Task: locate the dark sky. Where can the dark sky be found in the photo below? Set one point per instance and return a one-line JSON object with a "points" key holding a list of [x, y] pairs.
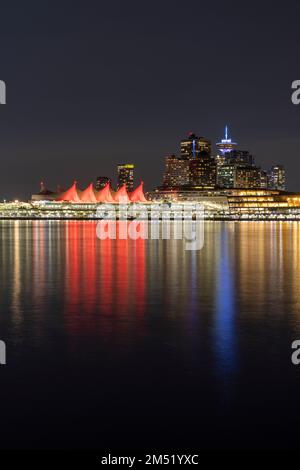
{"points": [[93, 83]]}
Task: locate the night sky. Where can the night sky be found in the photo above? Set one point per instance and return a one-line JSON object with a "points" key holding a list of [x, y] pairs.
{"points": [[91, 84]]}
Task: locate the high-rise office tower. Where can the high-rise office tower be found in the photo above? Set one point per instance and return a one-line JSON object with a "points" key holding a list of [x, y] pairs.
{"points": [[102, 181], [203, 171], [250, 177], [241, 157], [233, 175], [193, 145], [226, 174], [263, 179], [277, 178], [228, 164], [126, 175], [176, 172], [230, 161]]}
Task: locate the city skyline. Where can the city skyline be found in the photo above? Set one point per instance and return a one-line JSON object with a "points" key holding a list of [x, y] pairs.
{"points": [[192, 151], [125, 81], [150, 230]]}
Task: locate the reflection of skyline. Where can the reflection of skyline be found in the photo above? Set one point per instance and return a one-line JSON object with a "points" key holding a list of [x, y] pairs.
{"points": [[225, 332], [101, 280], [113, 287]]}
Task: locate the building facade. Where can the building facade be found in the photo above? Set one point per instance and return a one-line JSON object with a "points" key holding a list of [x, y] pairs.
{"points": [[193, 146], [102, 181], [241, 157], [234, 167], [277, 178], [126, 176], [203, 171], [176, 173], [250, 177], [232, 175], [226, 175]]}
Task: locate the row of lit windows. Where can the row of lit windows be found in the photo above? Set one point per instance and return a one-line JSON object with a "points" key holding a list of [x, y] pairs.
{"points": [[263, 204], [251, 199]]}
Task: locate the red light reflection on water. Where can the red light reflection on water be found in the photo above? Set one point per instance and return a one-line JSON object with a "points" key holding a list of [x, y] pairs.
{"points": [[103, 278]]}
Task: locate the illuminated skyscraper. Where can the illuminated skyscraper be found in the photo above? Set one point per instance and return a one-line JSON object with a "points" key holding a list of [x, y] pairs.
{"points": [[234, 175], [193, 145], [250, 177], [176, 172], [230, 165], [102, 181], [277, 178], [226, 145], [241, 157], [126, 175], [226, 174], [203, 170]]}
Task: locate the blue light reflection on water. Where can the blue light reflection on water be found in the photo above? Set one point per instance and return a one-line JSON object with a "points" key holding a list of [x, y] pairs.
{"points": [[148, 322]]}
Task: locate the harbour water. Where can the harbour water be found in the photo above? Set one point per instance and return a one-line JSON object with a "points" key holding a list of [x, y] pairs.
{"points": [[143, 344]]}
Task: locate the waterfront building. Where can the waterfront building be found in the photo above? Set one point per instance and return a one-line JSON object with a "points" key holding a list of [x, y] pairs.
{"points": [[122, 195], [193, 146], [177, 172], [73, 194], [138, 194], [233, 204], [44, 193], [90, 196], [126, 176], [102, 181], [236, 204], [106, 194]]}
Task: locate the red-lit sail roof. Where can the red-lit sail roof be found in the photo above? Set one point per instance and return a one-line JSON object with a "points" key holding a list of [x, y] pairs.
{"points": [[122, 195], [88, 194], [72, 194], [91, 196], [105, 195], [138, 194]]}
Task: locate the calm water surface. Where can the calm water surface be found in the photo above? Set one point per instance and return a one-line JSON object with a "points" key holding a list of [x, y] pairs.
{"points": [[122, 343]]}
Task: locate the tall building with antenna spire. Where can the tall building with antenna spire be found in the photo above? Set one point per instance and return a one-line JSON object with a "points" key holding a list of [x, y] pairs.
{"points": [[226, 145], [191, 147]]}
